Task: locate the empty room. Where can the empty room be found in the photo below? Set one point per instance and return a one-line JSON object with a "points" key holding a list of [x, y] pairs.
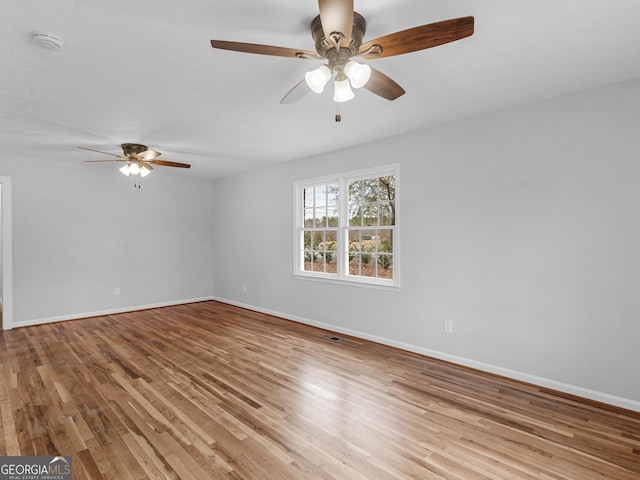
{"points": [[334, 239]]}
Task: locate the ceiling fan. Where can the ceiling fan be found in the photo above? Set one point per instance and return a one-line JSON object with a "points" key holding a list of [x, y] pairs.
{"points": [[338, 32], [139, 159]]}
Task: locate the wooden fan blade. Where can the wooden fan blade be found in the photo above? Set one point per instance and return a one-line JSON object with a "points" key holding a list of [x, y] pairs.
{"points": [[420, 38], [383, 86], [297, 92], [262, 49], [166, 163], [337, 16], [104, 153], [148, 154], [98, 161]]}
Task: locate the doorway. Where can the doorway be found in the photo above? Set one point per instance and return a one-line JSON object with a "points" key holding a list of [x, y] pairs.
{"points": [[6, 265]]}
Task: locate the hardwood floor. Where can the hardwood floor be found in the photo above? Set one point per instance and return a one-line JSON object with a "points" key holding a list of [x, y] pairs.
{"points": [[208, 390]]}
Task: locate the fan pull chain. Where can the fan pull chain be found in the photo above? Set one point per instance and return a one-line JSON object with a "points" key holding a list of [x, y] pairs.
{"points": [[338, 115]]}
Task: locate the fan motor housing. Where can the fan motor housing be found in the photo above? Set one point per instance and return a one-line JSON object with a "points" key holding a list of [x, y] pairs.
{"points": [[133, 149], [323, 46]]}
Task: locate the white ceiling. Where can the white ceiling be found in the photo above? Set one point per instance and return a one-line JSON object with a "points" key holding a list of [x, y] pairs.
{"points": [[144, 72]]}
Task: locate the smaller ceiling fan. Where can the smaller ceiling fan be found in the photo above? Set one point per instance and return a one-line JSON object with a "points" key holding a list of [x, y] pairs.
{"points": [[139, 159]]}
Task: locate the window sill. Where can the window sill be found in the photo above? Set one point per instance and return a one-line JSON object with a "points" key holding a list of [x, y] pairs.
{"points": [[351, 283]]}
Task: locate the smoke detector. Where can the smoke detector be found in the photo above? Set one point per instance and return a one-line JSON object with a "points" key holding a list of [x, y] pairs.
{"points": [[48, 41]]}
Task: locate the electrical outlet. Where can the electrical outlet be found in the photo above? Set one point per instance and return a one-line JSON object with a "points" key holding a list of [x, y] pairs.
{"points": [[448, 326], [116, 291], [244, 287]]}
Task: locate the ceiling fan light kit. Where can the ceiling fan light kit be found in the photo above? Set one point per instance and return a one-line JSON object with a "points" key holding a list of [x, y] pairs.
{"points": [[355, 75], [338, 33], [134, 168]]}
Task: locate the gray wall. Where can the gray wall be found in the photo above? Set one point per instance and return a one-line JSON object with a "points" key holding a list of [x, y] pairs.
{"points": [[519, 226], [1, 239], [80, 230]]}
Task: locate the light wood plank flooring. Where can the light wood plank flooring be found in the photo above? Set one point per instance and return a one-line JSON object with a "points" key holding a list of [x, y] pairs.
{"points": [[208, 390]]}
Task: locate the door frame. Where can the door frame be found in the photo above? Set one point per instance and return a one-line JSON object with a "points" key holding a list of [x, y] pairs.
{"points": [[7, 257]]}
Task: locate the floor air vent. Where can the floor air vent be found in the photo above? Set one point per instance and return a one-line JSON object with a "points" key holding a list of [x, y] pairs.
{"points": [[332, 338]]}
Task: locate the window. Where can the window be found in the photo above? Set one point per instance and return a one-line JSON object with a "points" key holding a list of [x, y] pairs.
{"points": [[346, 227]]}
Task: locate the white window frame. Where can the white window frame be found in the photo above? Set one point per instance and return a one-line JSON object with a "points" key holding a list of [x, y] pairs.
{"points": [[342, 248]]}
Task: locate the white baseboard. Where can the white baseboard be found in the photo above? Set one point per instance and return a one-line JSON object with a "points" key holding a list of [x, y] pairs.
{"points": [[601, 397], [113, 311]]}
